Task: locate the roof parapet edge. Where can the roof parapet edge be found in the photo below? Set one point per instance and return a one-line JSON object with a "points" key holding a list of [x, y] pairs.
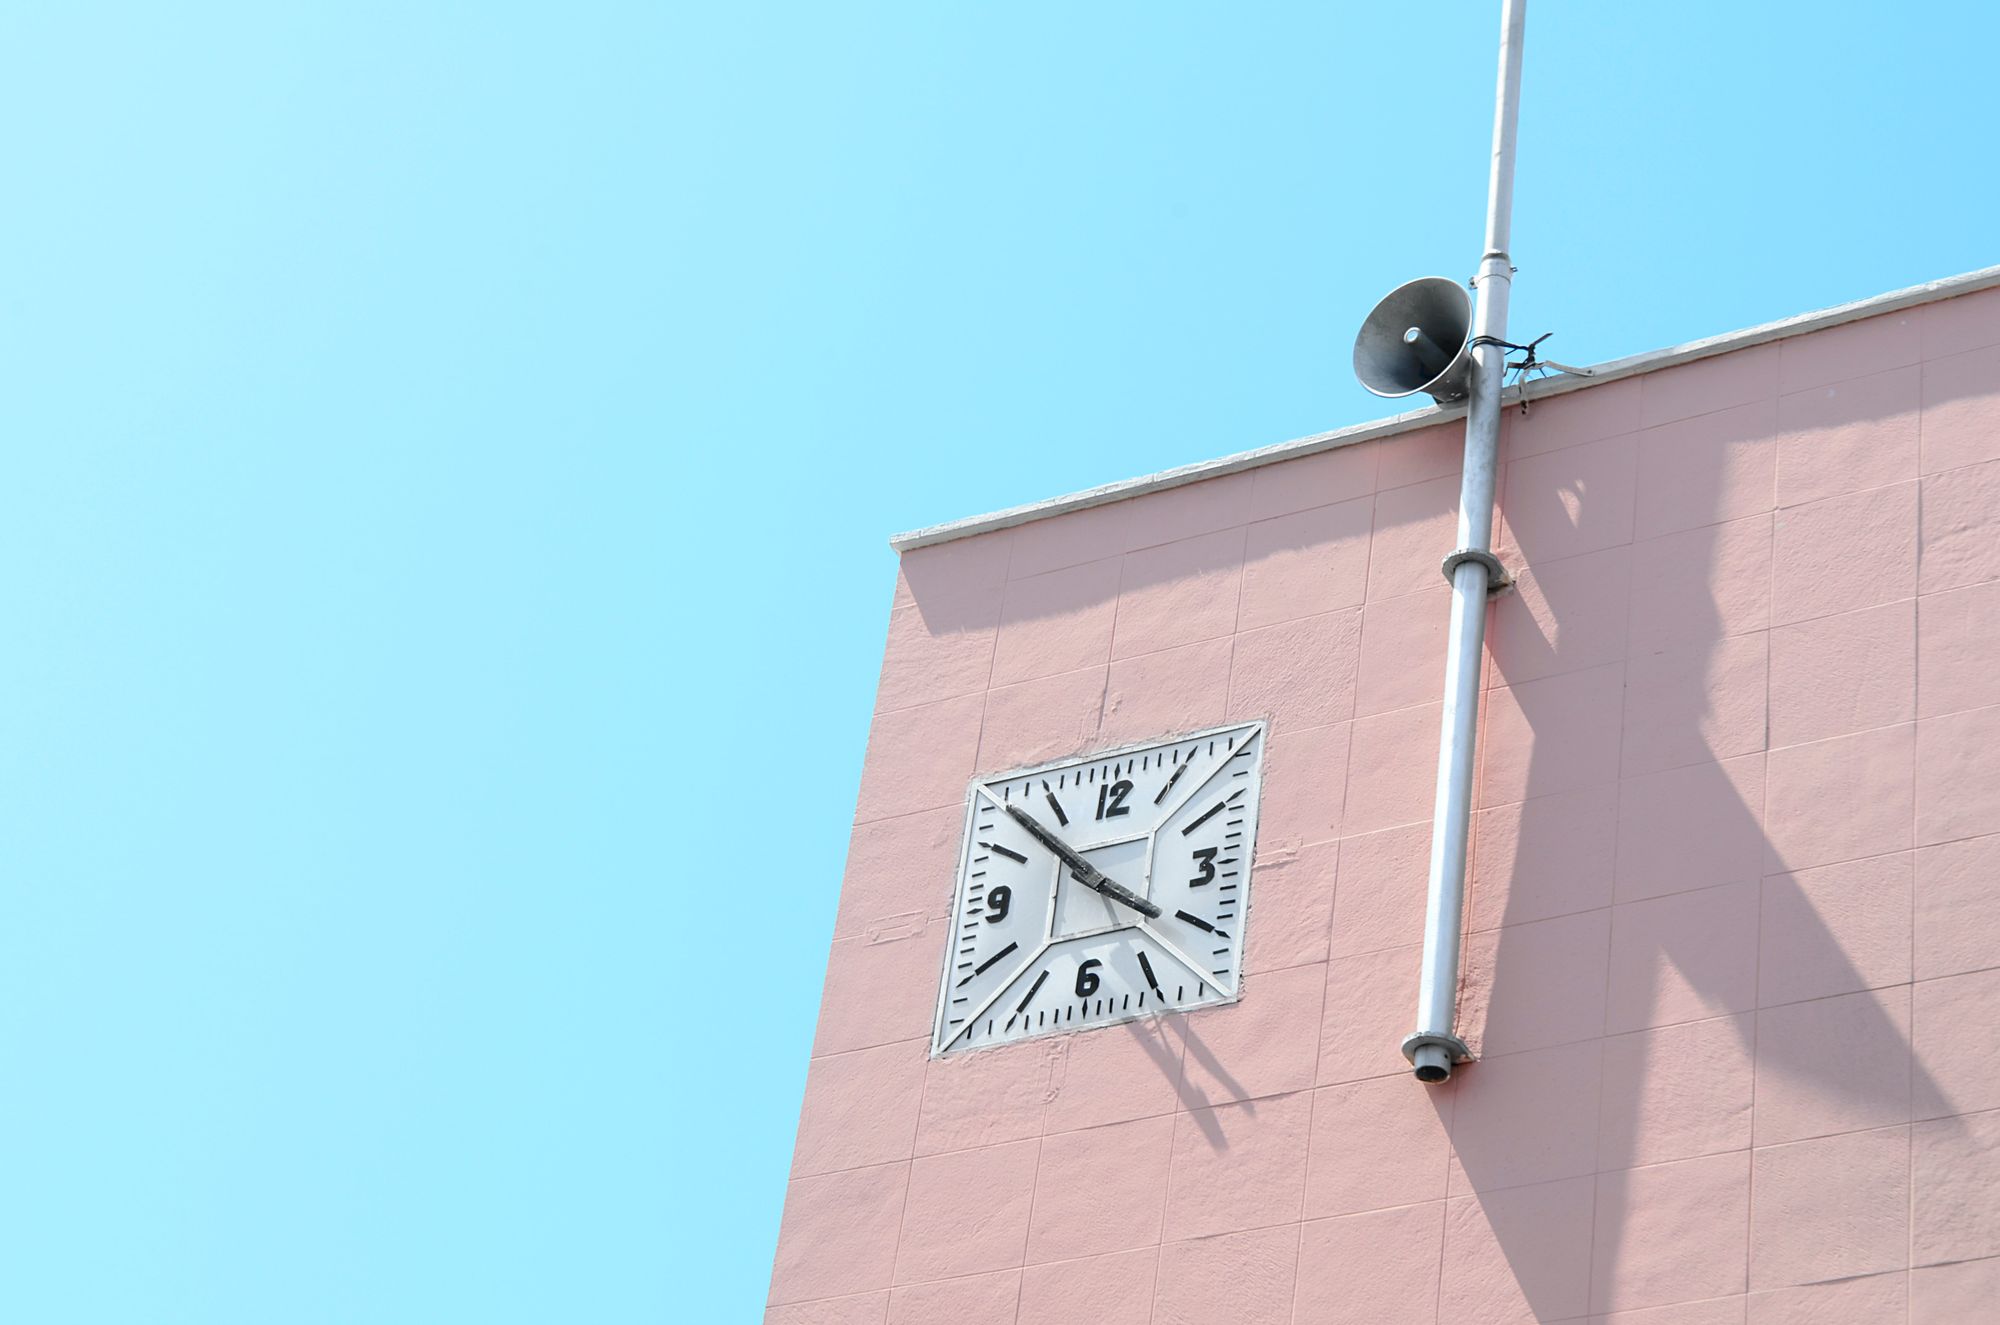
{"points": [[1649, 361]]}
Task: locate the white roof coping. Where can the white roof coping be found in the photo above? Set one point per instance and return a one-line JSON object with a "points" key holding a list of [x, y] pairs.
{"points": [[1650, 360]]}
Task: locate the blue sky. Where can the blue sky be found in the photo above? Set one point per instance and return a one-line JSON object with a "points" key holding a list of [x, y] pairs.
{"points": [[449, 452]]}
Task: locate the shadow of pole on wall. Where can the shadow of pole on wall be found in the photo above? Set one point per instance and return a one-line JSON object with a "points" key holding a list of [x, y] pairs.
{"points": [[1644, 960]]}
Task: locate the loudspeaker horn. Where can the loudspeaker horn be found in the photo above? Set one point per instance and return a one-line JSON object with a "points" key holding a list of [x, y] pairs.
{"points": [[1417, 340]]}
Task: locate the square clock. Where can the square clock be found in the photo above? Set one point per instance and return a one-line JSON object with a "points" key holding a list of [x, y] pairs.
{"points": [[1102, 888]]}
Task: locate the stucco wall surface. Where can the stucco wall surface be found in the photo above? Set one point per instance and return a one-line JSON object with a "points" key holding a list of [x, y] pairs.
{"points": [[1731, 967]]}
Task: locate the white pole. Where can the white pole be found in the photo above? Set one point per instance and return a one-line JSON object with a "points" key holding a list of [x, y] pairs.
{"points": [[1434, 1046]]}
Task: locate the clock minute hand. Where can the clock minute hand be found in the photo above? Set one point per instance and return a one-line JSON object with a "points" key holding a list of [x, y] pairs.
{"points": [[1084, 872]]}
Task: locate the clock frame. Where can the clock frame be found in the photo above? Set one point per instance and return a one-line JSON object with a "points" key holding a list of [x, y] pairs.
{"points": [[1060, 864]]}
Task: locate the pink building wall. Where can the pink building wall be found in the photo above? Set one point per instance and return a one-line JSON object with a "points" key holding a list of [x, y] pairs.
{"points": [[1731, 972]]}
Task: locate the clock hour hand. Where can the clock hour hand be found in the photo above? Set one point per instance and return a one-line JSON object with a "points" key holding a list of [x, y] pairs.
{"points": [[1082, 870]]}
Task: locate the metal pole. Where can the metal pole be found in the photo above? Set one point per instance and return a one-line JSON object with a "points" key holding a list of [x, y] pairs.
{"points": [[1434, 1047]]}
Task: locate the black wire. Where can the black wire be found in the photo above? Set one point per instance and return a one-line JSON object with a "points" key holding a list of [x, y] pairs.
{"points": [[1520, 367]]}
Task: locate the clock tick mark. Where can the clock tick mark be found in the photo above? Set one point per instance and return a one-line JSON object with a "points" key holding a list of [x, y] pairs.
{"points": [[1151, 979], [1205, 816], [986, 965]]}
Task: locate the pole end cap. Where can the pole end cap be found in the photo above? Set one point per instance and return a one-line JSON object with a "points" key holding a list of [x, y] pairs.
{"points": [[1433, 1055]]}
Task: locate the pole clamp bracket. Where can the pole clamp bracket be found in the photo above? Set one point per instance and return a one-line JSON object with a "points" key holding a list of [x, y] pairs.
{"points": [[1451, 1044], [1497, 579]]}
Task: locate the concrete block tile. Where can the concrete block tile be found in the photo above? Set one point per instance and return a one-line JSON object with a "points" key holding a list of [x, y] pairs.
{"points": [[1040, 720], [1402, 650], [1677, 1092], [1071, 539], [1708, 385], [1673, 1232], [1964, 322], [1704, 583], [897, 866], [870, 982], [1954, 1172], [1850, 350], [839, 1233], [1958, 637], [1844, 553], [1689, 828], [1558, 734], [1174, 690], [1868, 1300], [860, 1108], [1292, 908], [1385, 786], [1383, 879], [1300, 673], [1306, 563], [1955, 1027], [1175, 514], [1371, 1004], [1836, 675], [1847, 436], [919, 758], [1564, 616], [1104, 1290], [1589, 415], [1537, 859], [1706, 470], [1839, 799], [1960, 392], [1416, 457], [1244, 1278], [1569, 502], [980, 1299], [1713, 1311], [1518, 1255], [927, 660], [1267, 1044], [1961, 518], [1941, 1294], [1238, 1166], [1832, 1208], [1381, 1267], [1958, 776], [1100, 1190], [967, 1212], [1178, 593], [1115, 1074], [1957, 907], [1056, 622], [1683, 957], [1414, 528], [1835, 930], [860, 1309], [1695, 704], [1526, 1118], [1536, 984], [1338, 475], [1833, 1065], [1376, 1144], [959, 580], [988, 1098], [1304, 780]]}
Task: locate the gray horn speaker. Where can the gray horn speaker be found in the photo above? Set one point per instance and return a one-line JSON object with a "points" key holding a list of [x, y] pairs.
{"points": [[1415, 340]]}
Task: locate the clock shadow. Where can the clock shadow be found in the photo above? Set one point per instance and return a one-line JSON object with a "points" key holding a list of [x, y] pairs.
{"points": [[1192, 1103], [1634, 1004]]}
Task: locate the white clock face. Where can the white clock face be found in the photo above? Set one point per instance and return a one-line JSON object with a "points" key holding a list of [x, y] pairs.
{"points": [[1101, 889]]}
